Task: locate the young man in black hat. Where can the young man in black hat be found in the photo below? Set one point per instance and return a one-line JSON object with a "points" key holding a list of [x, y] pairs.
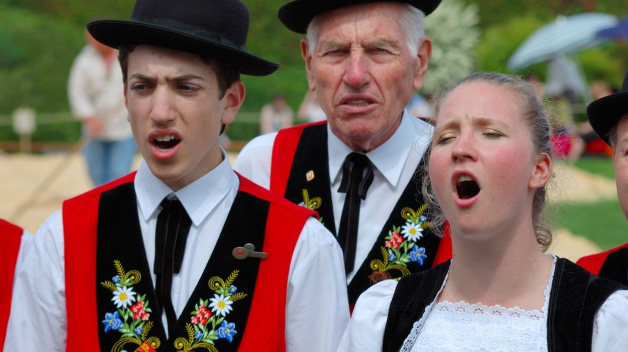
{"points": [[185, 254], [609, 118], [364, 59]]}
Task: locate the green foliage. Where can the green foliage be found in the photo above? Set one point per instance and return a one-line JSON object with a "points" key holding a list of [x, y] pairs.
{"points": [[597, 166], [500, 41], [604, 64], [49, 47]]}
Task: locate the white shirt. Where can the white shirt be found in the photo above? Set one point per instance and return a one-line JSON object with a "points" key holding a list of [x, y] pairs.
{"points": [[316, 309], [395, 162], [445, 329], [95, 89]]}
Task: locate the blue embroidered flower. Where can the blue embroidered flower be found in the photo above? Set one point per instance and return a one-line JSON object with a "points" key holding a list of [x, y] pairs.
{"points": [[112, 321], [302, 204], [139, 330], [198, 335], [226, 331], [422, 219], [232, 289], [391, 256], [116, 279], [417, 254]]}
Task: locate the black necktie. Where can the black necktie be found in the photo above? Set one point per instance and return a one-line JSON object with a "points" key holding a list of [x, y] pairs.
{"points": [[171, 233], [355, 186]]}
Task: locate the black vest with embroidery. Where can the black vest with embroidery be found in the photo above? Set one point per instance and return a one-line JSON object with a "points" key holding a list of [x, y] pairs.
{"points": [[216, 313], [574, 300], [405, 245]]}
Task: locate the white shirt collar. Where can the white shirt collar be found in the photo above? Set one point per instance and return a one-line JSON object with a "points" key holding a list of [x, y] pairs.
{"points": [[398, 144], [198, 198]]}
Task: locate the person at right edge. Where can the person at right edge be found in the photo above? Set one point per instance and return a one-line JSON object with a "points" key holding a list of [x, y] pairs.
{"points": [[609, 118], [364, 59]]}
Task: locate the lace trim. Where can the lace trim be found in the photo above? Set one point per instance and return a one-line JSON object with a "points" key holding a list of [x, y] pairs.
{"points": [[479, 308]]}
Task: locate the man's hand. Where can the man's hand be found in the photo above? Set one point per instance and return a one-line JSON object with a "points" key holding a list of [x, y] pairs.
{"points": [[94, 126]]}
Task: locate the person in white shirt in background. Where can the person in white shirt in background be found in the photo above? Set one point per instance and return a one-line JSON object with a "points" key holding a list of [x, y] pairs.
{"points": [[363, 60], [489, 165], [97, 101], [276, 115], [184, 254]]}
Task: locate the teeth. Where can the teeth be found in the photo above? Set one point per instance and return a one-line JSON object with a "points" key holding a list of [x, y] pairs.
{"points": [[464, 178], [360, 102], [164, 138]]}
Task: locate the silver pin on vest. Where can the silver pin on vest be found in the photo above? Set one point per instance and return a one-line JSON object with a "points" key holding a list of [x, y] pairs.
{"points": [[247, 251]]}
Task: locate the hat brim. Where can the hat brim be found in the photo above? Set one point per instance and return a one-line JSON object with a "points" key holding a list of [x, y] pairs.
{"points": [[115, 33], [604, 113], [297, 15]]}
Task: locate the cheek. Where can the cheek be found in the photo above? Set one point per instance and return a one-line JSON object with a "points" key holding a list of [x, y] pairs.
{"points": [[438, 172]]}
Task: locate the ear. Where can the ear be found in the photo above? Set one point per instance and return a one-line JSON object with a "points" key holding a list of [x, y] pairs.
{"points": [[307, 57], [234, 96], [541, 172], [424, 54]]}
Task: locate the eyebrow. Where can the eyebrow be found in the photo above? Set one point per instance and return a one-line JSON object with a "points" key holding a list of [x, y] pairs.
{"points": [[480, 121], [177, 79]]}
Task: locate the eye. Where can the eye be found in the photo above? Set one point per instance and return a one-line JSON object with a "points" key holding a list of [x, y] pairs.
{"points": [[188, 88], [139, 87], [443, 139], [493, 134]]}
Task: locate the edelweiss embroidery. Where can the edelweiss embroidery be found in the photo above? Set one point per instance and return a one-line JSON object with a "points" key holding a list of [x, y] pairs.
{"points": [[208, 322], [131, 318], [401, 246], [311, 204]]}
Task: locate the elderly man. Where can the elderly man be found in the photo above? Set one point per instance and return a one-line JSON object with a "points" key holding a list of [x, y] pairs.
{"points": [[363, 59], [183, 255], [609, 118]]}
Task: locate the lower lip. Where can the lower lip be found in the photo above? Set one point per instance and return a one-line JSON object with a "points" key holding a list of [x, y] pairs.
{"points": [[466, 203], [164, 154]]}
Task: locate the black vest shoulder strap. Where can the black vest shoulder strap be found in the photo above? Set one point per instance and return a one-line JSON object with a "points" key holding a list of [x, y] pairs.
{"points": [[615, 266], [575, 298], [412, 295]]}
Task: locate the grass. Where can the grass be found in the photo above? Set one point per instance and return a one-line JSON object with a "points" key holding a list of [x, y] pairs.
{"points": [[603, 222], [599, 166]]}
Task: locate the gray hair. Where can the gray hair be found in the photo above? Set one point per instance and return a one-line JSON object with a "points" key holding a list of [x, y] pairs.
{"points": [[534, 114], [612, 134], [411, 22]]}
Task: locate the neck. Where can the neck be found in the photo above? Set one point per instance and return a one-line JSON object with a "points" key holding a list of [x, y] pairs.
{"points": [[509, 270]]}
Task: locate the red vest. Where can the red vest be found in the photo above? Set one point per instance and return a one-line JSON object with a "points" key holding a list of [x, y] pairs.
{"points": [[264, 330], [10, 239]]}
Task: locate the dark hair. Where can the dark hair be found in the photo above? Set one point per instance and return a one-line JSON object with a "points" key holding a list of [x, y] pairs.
{"points": [[225, 74], [612, 134], [534, 114]]}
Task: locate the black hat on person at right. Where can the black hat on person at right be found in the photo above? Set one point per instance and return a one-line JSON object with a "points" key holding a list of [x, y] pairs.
{"points": [[298, 14], [605, 112], [211, 28]]}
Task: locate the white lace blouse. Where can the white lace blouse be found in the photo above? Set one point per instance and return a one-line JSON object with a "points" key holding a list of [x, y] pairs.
{"points": [[461, 326]]}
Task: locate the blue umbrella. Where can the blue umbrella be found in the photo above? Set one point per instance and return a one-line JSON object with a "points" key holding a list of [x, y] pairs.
{"points": [[564, 35], [618, 31]]}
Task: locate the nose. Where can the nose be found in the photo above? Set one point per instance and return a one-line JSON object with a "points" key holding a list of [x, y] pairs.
{"points": [[464, 149], [162, 109], [357, 73]]}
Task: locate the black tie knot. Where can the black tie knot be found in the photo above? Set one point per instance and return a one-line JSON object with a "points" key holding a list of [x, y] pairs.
{"points": [[357, 174]]}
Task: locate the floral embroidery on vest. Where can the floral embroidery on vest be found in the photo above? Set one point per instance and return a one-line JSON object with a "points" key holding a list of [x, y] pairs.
{"points": [[208, 322], [401, 246], [311, 203], [131, 318]]}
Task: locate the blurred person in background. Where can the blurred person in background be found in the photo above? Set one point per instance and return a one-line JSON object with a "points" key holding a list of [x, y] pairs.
{"points": [[98, 102], [276, 115], [310, 110]]}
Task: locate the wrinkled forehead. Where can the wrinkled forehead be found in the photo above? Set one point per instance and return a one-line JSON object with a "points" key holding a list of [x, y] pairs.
{"points": [[358, 18]]}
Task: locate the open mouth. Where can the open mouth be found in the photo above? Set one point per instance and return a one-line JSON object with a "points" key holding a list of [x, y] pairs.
{"points": [[358, 102], [466, 187], [165, 143]]}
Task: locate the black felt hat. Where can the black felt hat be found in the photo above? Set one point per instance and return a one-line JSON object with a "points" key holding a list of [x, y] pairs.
{"points": [[605, 112], [296, 15], [212, 28]]}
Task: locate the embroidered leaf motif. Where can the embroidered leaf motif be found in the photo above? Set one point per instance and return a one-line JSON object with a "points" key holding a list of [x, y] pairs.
{"points": [[232, 277], [109, 285], [238, 296], [385, 256], [147, 328], [119, 268], [188, 328]]}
